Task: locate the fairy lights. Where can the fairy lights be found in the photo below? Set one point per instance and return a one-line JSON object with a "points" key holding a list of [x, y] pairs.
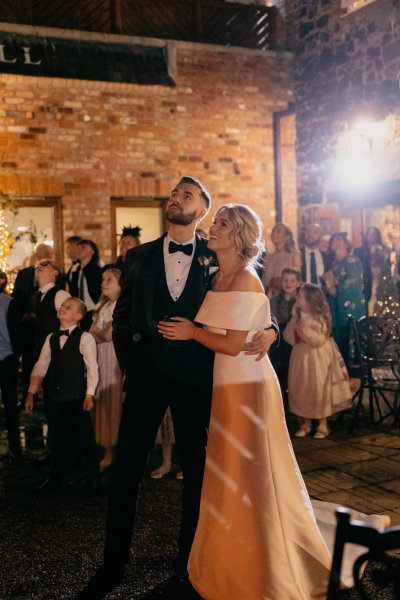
{"points": [[4, 242]]}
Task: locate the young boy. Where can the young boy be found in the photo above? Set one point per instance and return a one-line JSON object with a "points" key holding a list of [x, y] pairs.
{"points": [[68, 357], [281, 307]]}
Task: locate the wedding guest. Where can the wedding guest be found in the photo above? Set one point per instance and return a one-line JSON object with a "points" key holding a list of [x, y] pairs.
{"points": [[372, 244], [10, 349], [166, 439], [87, 280], [72, 250], [46, 302], [107, 410], [45, 306], [130, 238], [318, 381], [25, 287], [68, 358], [168, 276], [281, 306], [285, 255], [345, 290], [314, 262]]}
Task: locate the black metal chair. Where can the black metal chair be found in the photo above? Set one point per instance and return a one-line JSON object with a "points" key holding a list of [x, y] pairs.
{"points": [[377, 353], [385, 570]]}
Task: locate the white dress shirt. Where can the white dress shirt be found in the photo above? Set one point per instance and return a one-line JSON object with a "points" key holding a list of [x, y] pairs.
{"points": [[87, 299], [59, 298], [87, 348], [319, 262], [177, 266]]}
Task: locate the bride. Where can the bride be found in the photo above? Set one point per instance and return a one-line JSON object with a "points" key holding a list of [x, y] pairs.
{"points": [[257, 536]]}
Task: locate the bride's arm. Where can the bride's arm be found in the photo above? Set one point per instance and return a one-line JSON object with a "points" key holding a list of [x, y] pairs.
{"points": [[183, 329]]}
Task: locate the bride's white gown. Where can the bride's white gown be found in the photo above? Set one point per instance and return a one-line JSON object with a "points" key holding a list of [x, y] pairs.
{"points": [[257, 537]]}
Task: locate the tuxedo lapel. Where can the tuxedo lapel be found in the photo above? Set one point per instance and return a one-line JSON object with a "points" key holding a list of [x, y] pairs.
{"points": [[201, 252], [149, 275]]}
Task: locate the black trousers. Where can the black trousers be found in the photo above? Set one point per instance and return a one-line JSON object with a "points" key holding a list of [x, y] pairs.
{"points": [[70, 423], [142, 414], [8, 388]]}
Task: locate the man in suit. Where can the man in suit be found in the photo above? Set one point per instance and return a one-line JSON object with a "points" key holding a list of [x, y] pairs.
{"points": [[164, 278], [86, 279], [25, 288], [72, 250], [314, 263]]}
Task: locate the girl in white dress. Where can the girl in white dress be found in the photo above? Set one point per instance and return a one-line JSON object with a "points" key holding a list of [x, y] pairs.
{"points": [[108, 405], [318, 382], [257, 537]]}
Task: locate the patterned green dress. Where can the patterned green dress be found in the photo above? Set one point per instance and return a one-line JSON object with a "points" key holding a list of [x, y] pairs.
{"points": [[349, 300]]}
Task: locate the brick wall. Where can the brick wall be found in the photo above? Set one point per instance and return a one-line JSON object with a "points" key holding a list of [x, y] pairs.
{"points": [[88, 141]]}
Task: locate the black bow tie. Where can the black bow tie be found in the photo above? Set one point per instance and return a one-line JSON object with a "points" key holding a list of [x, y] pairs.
{"points": [[186, 249], [63, 332]]}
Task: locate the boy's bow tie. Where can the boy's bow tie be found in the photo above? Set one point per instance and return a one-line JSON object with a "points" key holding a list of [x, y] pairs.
{"points": [[185, 248], [63, 332]]}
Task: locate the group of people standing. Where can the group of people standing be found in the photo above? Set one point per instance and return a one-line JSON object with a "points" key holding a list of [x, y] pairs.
{"points": [[195, 339]]}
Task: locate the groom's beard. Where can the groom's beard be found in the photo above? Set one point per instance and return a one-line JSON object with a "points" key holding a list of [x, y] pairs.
{"points": [[177, 218]]}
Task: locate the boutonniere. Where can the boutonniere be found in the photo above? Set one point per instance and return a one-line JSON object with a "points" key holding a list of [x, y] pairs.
{"points": [[209, 264]]}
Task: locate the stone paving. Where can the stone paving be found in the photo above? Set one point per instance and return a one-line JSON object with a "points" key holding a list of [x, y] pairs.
{"points": [[359, 470], [51, 545]]}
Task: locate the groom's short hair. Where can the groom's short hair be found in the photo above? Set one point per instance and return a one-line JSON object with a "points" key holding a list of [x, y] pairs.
{"points": [[203, 192]]}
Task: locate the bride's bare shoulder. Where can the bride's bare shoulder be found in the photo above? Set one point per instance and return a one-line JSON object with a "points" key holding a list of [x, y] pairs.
{"points": [[246, 280]]}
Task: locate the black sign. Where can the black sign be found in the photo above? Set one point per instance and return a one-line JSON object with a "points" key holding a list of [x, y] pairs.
{"points": [[76, 59]]}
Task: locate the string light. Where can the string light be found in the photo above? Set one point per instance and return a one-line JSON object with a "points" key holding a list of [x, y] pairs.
{"points": [[4, 242]]}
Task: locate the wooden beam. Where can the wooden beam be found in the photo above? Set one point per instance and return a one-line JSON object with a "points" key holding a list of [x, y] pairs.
{"points": [[116, 16]]}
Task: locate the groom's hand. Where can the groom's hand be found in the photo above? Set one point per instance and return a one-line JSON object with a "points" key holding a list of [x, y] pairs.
{"points": [[261, 343]]}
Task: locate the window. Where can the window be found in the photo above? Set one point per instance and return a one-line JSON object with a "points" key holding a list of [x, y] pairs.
{"points": [[34, 221], [136, 212]]}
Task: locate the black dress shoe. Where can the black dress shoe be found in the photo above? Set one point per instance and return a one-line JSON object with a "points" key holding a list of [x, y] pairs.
{"points": [[103, 581], [50, 485]]}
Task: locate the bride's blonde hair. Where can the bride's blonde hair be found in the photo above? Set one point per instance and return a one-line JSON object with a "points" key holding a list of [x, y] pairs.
{"points": [[247, 230]]}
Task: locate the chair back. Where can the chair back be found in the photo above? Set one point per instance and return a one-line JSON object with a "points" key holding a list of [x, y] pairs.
{"points": [[377, 343], [385, 573]]}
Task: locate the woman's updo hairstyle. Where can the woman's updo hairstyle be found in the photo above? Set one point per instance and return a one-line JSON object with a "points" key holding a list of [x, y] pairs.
{"points": [[247, 231]]}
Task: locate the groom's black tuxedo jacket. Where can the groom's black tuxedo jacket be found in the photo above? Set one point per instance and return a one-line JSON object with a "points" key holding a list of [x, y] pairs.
{"points": [[144, 300]]}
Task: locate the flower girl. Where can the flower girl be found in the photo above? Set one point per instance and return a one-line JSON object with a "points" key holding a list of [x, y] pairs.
{"points": [[318, 383], [108, 405]]}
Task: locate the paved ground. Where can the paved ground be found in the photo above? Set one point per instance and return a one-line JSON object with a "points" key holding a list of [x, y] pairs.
{"points": [[50, 545]]}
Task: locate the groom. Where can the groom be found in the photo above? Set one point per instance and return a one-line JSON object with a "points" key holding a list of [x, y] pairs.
{"points": [[164, 278]]}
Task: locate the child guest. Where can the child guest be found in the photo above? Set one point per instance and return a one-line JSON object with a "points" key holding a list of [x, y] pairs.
{"points": [[318, 382], [68, 357], [281, 306], [108, 407]]}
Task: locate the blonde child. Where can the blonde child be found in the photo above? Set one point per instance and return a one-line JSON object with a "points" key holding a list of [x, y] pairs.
{"points": [[108, 404], [318, 383], [68, 361]]}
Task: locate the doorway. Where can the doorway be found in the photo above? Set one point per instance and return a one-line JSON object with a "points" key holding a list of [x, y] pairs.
{"points": [[148, 214]]}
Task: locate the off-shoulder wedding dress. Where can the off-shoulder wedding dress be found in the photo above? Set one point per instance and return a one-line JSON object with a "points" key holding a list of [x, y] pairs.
{"points": [[259, 537]]}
